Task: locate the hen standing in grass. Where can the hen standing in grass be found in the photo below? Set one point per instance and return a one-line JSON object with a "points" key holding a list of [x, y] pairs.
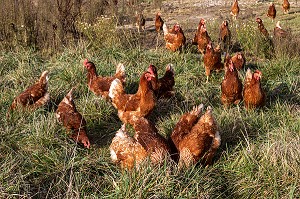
{"points": [[72, 120], [147, 142], [100, 85], [272, 11], [158, 22], [175, 40], [140, 21], [201, 23], [235, 9], [139, 104], [35, 96], [196, 139], [231, 87], [239, 60], [212, 60], [203, 39], [224, 36], [261, 27], [253, 94], [286, 6]]}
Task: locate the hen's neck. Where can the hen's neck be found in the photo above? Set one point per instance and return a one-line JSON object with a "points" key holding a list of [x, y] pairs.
{"points": [[144, 86], [92, 74]]}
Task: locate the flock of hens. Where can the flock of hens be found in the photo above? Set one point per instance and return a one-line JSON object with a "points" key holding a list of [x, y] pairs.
{"points": [[195, 137]]}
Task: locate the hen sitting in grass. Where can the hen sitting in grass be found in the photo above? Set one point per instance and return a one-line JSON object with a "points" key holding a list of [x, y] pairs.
{"points": [[100, 85], [130, 152], [72, 120], [231, 87], [35, 96], [253, 94], [196, 139]]}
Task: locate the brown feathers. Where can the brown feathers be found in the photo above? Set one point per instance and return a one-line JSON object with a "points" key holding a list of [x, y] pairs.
{"points": [[35, 96], [254, 96], [196, 139], [72, 120], [139, 104], [100, 85]]}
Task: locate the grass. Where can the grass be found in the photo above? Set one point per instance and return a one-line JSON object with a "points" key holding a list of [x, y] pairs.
{"points": [[259, 156]]}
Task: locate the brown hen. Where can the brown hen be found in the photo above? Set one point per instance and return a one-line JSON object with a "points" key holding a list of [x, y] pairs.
{"points": [[147, 142], [100, 85], [139, 104], [175, 40], [203, 39], [253, 94], [272, 11], [165, 85], [239, 60], [235, 9], [212, 60], [201, 23], [33, 97], [286, 6], [261, 27], [279, 32], [158, 22], [72, 120], [140, 21], [224, 36], [231, 87], [196, 139]]}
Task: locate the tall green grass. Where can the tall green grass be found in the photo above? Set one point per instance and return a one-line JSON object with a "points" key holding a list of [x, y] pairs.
{"points": [[258, 158]]}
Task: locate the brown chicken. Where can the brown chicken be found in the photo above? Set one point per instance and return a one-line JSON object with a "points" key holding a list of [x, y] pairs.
{"points": [[231, 87], [279, 32], [253, 94], [286, 6], [158, 22], [239, 60], [203, 39], [261, 27], [196, 139], [224, 36], [147, 142], [165, 84], [201, 23], [272, 11], [72, 120], [235, 9], [212, 60], [100, 85], [175, 40], [139, 104], [33, 97], [140, 21], [126, 151]]}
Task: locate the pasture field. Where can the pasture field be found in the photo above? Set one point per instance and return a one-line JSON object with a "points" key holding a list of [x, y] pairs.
{"points": [[259, 156]]}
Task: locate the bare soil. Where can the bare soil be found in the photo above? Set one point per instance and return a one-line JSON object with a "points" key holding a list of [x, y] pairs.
{"points": [[188, 13]]}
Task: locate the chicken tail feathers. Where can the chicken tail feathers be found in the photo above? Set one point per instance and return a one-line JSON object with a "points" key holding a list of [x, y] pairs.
{"points": [[120, 72], [170, 68], [165, 29], [42, 101], [115, 89]]}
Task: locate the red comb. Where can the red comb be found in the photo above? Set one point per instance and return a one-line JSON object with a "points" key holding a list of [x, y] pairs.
{"points": [[85, 62]]}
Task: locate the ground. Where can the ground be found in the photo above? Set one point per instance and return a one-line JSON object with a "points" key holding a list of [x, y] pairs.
{"points": [[188, 13]]}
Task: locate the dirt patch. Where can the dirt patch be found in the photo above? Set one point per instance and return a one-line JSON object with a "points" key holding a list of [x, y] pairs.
{"points": [[188, 13]]}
